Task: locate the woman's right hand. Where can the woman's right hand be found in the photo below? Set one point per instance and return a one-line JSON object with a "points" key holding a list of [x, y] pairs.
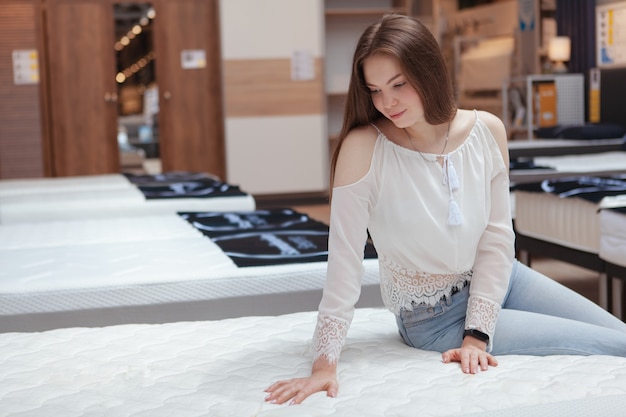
{"points": [[323, 378]]}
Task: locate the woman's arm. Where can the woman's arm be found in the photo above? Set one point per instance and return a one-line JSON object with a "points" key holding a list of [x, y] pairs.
{"points": [[496, 248], [346, 244], [494, 260]]}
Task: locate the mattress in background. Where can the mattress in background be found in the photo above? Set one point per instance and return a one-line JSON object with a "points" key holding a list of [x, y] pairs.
{"points": [[569, 222]]}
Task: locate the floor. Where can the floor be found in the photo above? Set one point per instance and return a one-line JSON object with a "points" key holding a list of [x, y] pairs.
{"points": [[581, 280]]}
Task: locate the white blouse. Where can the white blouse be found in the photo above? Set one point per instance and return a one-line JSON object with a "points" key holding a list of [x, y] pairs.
{"points": [[425, 249]]}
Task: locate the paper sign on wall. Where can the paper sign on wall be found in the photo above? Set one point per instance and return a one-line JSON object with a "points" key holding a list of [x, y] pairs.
{"points": [[302, 65], [25, 67], [611, 34], [193, 58]]}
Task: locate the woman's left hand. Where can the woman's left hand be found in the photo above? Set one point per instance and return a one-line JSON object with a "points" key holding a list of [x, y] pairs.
{"points": [[472, 355]]}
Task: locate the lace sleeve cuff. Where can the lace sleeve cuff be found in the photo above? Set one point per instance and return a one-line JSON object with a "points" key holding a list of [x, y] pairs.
{"points": [[482, 315], [329, 337]]}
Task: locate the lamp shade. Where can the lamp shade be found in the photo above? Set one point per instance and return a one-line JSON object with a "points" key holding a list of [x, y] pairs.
{"points": [[559, 48]]}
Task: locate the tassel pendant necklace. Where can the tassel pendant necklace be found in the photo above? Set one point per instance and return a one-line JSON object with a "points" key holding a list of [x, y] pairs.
{"points": [[445, 143], [450, 178]]}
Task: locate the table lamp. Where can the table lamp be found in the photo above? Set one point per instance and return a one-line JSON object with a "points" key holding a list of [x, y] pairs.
{"points": [[559, 51]]}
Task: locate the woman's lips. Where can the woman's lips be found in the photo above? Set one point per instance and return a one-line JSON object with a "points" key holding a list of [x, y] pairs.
{"points": [[396, 115]]}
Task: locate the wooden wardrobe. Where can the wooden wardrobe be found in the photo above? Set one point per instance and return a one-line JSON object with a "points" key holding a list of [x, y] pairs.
{"points": [[66, 124]]}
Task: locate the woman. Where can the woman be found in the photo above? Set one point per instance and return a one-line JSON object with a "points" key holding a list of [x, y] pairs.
{"points": [[430, 184]]}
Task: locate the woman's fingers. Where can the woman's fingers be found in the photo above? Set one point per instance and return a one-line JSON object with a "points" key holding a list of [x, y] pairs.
{"points": [[297, 390], [472, 360]]}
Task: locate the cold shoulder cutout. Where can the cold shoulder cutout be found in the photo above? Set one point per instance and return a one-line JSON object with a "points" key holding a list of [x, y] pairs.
{"points": [[355, 155]]}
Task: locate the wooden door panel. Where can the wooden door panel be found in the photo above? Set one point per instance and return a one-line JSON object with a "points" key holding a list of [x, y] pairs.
{"points": [[191, 123], [83, 108], [20, 118]]}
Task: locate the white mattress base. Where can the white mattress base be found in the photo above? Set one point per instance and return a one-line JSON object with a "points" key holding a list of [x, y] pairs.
{"points": [[62, 184], [568, 222], [613, 240], [221, 368]]}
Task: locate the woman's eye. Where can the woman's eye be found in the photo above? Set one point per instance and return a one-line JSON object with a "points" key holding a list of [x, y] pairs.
{"points": [[400, 84], [374, 92]]}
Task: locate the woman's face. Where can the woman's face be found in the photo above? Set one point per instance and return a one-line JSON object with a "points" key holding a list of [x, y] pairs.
{"points": [[391, 93]]}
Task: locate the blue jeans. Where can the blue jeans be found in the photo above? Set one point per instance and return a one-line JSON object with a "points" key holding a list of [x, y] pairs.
{"points": [[539, 317]]}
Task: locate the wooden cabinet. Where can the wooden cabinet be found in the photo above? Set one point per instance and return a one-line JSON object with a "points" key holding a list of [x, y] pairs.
{"points": [[191, 119], [81, 88], [21, 143], [77, 99]]}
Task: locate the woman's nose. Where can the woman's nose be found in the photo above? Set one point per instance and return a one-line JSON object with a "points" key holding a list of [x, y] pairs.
{"points": [[389, 100]]}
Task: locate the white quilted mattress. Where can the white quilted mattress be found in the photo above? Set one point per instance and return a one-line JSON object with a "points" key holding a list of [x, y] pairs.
{"points": [[220, 369], [613, 236], [569, 222], [586, 163], [97, 196], [142, 269]]}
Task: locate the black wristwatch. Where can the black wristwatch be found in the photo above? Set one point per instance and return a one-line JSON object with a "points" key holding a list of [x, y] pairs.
{"points": [[483, 337]]}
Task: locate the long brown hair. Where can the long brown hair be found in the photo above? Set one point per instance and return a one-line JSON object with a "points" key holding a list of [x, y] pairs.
{"points": [[422, 62]]}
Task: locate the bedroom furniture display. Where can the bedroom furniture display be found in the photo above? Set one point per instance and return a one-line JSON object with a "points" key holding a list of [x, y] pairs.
{"points": [[113, 195], [159, 268], [570, 101], [221, 368]]}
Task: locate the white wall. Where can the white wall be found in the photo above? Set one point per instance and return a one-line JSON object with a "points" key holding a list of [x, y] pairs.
{"points": [[275, 153]]}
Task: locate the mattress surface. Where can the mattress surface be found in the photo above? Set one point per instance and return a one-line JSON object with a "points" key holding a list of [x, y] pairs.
{"points": [[220, 369], [599, 162], [98, 196], [569, 222]]}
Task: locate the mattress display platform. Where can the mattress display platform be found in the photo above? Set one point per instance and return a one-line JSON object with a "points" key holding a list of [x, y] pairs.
{"points": [[571, 222], [558, 218], [613, 230], [613, 250], [149, 269], [221, 368], [114, 195]]}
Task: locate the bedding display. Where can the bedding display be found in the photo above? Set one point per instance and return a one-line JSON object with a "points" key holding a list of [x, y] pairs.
{"points": [[221, 368], [267, 237], [158, 268], [559, 218], [539, 168], [105, 196]]}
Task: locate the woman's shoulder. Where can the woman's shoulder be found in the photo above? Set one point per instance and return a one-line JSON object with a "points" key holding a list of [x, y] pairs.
{"points": [[496, 128], [493, 123], [355, 155]]}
